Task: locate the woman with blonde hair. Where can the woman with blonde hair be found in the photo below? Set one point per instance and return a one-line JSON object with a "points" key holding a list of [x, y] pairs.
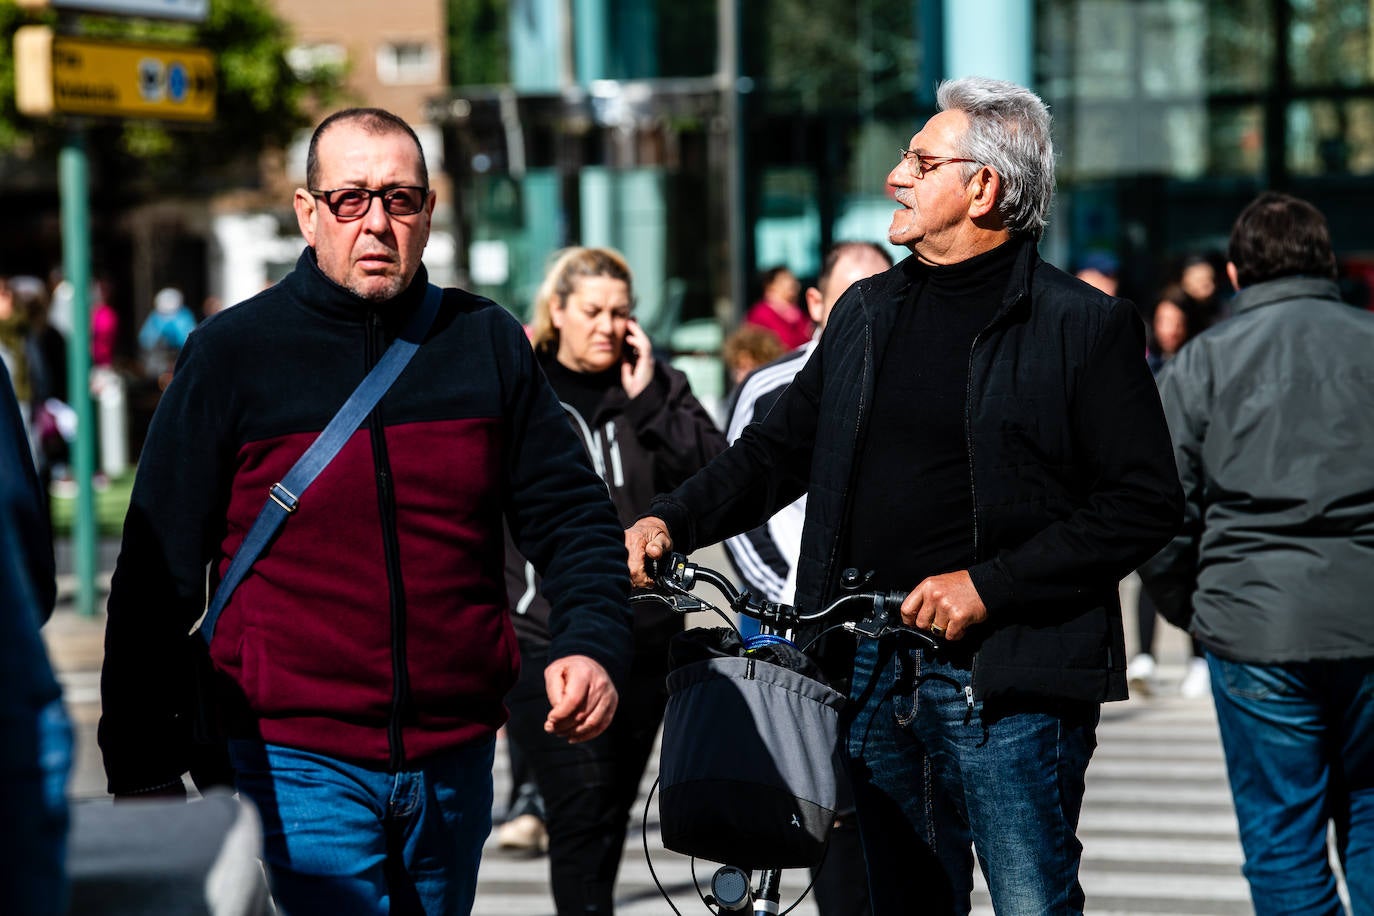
{"points": [[645, 433]]}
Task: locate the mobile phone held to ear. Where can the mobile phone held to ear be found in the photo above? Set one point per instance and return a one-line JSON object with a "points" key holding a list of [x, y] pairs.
{"points": [[628, 353]]}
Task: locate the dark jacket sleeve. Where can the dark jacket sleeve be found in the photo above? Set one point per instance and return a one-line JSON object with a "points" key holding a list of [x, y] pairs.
{"points": [[175, 519], [1170, 576], [27, 585], [35, 585], [671, 423], [766, 468], [1133, 501], [561, 518]]}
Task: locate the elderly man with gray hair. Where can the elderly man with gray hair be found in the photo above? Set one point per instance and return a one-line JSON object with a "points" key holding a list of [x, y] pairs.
{"points": [[979, 425]]}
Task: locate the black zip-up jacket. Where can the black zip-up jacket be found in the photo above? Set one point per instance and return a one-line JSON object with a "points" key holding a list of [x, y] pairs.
{"points": [[640, 446], [374, 628], [1070, 469]]}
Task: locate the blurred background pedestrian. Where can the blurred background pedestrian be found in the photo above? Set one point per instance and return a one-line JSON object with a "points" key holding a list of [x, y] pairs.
{"points": [[645, 432], [778, 309], [1100, 270], [1170, 328], [164, 333], [747, 348]]}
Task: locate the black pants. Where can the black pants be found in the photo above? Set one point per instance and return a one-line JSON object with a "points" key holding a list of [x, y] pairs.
{"points": [[841, 884], [590, 788], [1146, 617]]}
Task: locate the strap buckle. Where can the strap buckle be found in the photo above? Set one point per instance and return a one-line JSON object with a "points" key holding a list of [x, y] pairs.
{"points": [[283, 497]]}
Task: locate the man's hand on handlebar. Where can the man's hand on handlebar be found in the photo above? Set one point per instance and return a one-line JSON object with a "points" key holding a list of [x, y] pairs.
{"points": [[648, 537], [946, 605]]}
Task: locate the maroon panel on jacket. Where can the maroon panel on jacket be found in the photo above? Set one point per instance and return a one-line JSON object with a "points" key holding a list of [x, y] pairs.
{"points": [[308, 634]]}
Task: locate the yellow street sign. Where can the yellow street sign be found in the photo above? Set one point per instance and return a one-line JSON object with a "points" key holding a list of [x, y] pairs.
{"points": [[59, 74]]}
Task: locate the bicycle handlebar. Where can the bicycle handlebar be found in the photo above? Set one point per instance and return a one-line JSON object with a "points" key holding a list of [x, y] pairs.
{"points": [[676, 577]]}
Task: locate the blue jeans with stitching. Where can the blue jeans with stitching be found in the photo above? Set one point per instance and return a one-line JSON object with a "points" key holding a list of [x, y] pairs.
{"points": [[1299, 741], [340, 838], [937, 774]]}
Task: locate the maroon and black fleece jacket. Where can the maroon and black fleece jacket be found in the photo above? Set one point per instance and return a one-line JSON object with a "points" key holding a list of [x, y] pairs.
{"points": [[375, 627]]}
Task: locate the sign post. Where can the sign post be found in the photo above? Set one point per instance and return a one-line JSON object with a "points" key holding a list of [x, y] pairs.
{"points": [[82, 78], [76, 268]]}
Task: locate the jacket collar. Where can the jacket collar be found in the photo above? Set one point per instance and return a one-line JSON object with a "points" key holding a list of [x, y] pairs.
{"points": [[321, 295], [1284, 289], [893, 285]]}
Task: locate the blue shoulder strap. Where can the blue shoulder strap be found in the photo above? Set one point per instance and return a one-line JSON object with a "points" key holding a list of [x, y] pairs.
{"points": [[284, 497]]}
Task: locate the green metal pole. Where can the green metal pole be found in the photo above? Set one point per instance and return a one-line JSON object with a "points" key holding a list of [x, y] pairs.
{"points": [[73, 180]]}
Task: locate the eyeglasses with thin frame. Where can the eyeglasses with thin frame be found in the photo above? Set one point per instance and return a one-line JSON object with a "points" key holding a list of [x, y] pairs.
{"points": [[926, 163], [353, 203]]}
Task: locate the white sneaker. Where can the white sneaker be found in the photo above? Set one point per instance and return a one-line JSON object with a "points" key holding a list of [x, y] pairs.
{"points": [[1140, 671], [525, 832], [1197, 682]]}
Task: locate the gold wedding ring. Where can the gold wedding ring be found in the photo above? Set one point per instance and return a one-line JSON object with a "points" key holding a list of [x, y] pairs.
{"points": [[937, 630]]}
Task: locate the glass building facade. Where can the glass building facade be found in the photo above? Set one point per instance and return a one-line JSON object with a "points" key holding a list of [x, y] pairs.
{"points": [[710, 139], [1171, 115]]}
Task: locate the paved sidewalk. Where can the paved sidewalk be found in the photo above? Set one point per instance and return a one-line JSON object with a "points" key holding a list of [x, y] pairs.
{"points": [[76, 646]]}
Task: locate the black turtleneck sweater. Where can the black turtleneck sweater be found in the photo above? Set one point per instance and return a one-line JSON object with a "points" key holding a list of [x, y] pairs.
{"points": [[912, 509]]}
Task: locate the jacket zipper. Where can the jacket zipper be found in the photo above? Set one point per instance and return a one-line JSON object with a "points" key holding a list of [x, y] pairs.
{"points": [[386, 505], [859, 411], [972, 480]]}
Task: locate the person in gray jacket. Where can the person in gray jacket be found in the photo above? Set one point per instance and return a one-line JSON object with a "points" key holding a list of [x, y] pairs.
{"points": [[1272, 416]]}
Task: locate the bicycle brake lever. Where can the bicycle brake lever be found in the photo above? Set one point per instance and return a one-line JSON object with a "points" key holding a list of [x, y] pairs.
{"points": [[875, 629], [930, 640], [679, 604], [880, 624], [870, 628]]}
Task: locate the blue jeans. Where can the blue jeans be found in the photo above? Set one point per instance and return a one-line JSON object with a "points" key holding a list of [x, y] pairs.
{"points": [[340, 838], [35, 760], [1299, 742], [936, 773]]}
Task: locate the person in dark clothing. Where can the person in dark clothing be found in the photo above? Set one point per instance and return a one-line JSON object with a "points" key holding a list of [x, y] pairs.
{"points": [[1272, 415], [362, 664], [35, 736], [1170, 328], [766, 557], [978, 424], [1201, 296], [645, 432]]}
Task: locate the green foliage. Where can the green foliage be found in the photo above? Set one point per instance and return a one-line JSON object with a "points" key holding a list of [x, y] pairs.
{"points": [[261, 101], [14, 133], [478, 52]]}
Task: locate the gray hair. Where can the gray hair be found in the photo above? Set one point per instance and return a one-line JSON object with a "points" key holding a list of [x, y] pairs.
{"points": [[1008, 131]]}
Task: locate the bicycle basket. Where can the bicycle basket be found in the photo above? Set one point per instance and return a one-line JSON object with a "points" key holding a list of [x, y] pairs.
{"points": [[748, 761]]}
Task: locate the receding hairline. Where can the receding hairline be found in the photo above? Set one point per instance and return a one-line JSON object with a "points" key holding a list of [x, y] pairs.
{"points": [[849, 248], [376, 122]]}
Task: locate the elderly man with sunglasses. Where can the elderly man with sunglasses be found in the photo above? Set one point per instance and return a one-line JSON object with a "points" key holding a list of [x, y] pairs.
{"points": [[359, 668], [979, 429]]}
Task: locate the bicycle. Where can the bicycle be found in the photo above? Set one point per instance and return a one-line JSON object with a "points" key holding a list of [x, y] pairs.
{"points": [[732, 889]]}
